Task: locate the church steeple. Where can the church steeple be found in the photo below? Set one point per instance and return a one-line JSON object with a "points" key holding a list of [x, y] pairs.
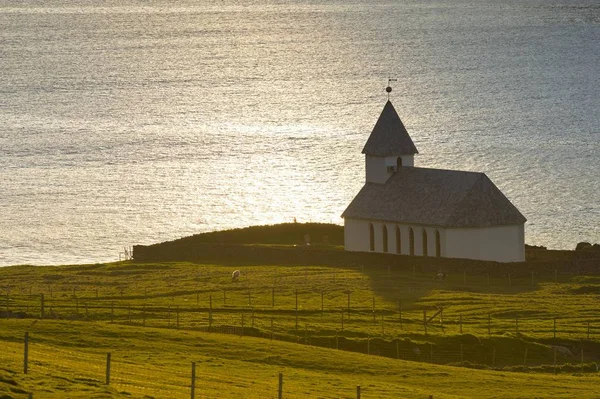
{"points": [[389, 146]]}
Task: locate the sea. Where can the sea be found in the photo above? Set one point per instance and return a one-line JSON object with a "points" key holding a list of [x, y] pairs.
{"points": [[127, 122]]}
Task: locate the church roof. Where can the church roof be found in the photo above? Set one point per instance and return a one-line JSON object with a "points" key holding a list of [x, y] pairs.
{"points": [[436, 197], [389, 136]]}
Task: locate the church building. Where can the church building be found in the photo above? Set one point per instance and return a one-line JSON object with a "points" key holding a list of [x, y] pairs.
{"points": [[403, 209]]}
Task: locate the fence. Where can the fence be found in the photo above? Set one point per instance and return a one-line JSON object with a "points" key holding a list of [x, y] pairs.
{"points": [[94, 368], [179, 379]]}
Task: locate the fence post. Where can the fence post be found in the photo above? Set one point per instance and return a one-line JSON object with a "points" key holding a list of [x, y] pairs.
{"points": [[42, 307], [210, 318], [193, 382], [108, 368], [26, 353], [374, 321], [532, 278], [348, 303], [400, 312], [358, 392], [555, 351], [588, 330], [280, 391], [242, 324]]}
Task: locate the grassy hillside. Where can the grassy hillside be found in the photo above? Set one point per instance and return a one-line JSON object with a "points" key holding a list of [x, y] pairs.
{"points": [[68, 360]]}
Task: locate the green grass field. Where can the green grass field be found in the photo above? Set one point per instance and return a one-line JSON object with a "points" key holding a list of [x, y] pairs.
{"points": [[154, 319]]}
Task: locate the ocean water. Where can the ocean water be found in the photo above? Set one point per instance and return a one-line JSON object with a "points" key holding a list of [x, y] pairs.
{"points": [[134, 122]]}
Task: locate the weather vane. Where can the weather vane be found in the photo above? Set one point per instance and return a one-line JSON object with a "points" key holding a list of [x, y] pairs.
{"points": [[388, 89]]}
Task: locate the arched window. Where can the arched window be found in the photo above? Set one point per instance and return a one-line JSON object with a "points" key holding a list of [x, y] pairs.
{"points": [[425, 253], [398, 240], [371, 237], [398, 163], [438, 244], [411, 238], [385, 238]]}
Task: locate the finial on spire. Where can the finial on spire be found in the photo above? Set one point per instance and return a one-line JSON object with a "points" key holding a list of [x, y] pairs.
{"points": [[388, 89]]}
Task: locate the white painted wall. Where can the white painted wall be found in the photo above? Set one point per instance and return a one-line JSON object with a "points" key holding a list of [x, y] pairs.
{"points": [[357, 237], [377, 167], [500, 243]]}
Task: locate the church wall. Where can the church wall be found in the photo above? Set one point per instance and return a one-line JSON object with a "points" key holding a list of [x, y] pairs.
{"points": [[376, 169], [356, 235], [500, 244]]}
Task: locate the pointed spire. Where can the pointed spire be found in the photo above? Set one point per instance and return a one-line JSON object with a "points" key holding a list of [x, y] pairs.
{"points": [[389, 136]]}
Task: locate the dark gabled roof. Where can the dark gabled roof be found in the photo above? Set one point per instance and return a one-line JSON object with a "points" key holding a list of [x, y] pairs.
{"points": [[435, 197], [389, 136]]}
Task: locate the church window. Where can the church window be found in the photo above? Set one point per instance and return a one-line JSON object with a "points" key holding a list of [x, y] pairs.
{"points": [[371, 237], [398, 240], [438, 245], [425, 252], [411, 238], [385, 238], [399, 162]]}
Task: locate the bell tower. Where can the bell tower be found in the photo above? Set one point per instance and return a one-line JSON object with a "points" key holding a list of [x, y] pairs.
{"points": [[389, 146]]}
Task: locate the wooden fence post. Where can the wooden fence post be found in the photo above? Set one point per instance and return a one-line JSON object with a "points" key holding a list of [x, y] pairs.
{"points": [[193, 382], [210, 318], [280, 391], [358, 392], [242, 334], [374, 321], [588, 330], [26, 353], [322, 302], [108, 368]]}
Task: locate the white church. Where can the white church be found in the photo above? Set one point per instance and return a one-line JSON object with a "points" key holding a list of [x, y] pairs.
{"points": [[403, 209]]}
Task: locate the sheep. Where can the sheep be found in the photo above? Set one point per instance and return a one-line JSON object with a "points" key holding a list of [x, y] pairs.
{"points": [[235, 276]]}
